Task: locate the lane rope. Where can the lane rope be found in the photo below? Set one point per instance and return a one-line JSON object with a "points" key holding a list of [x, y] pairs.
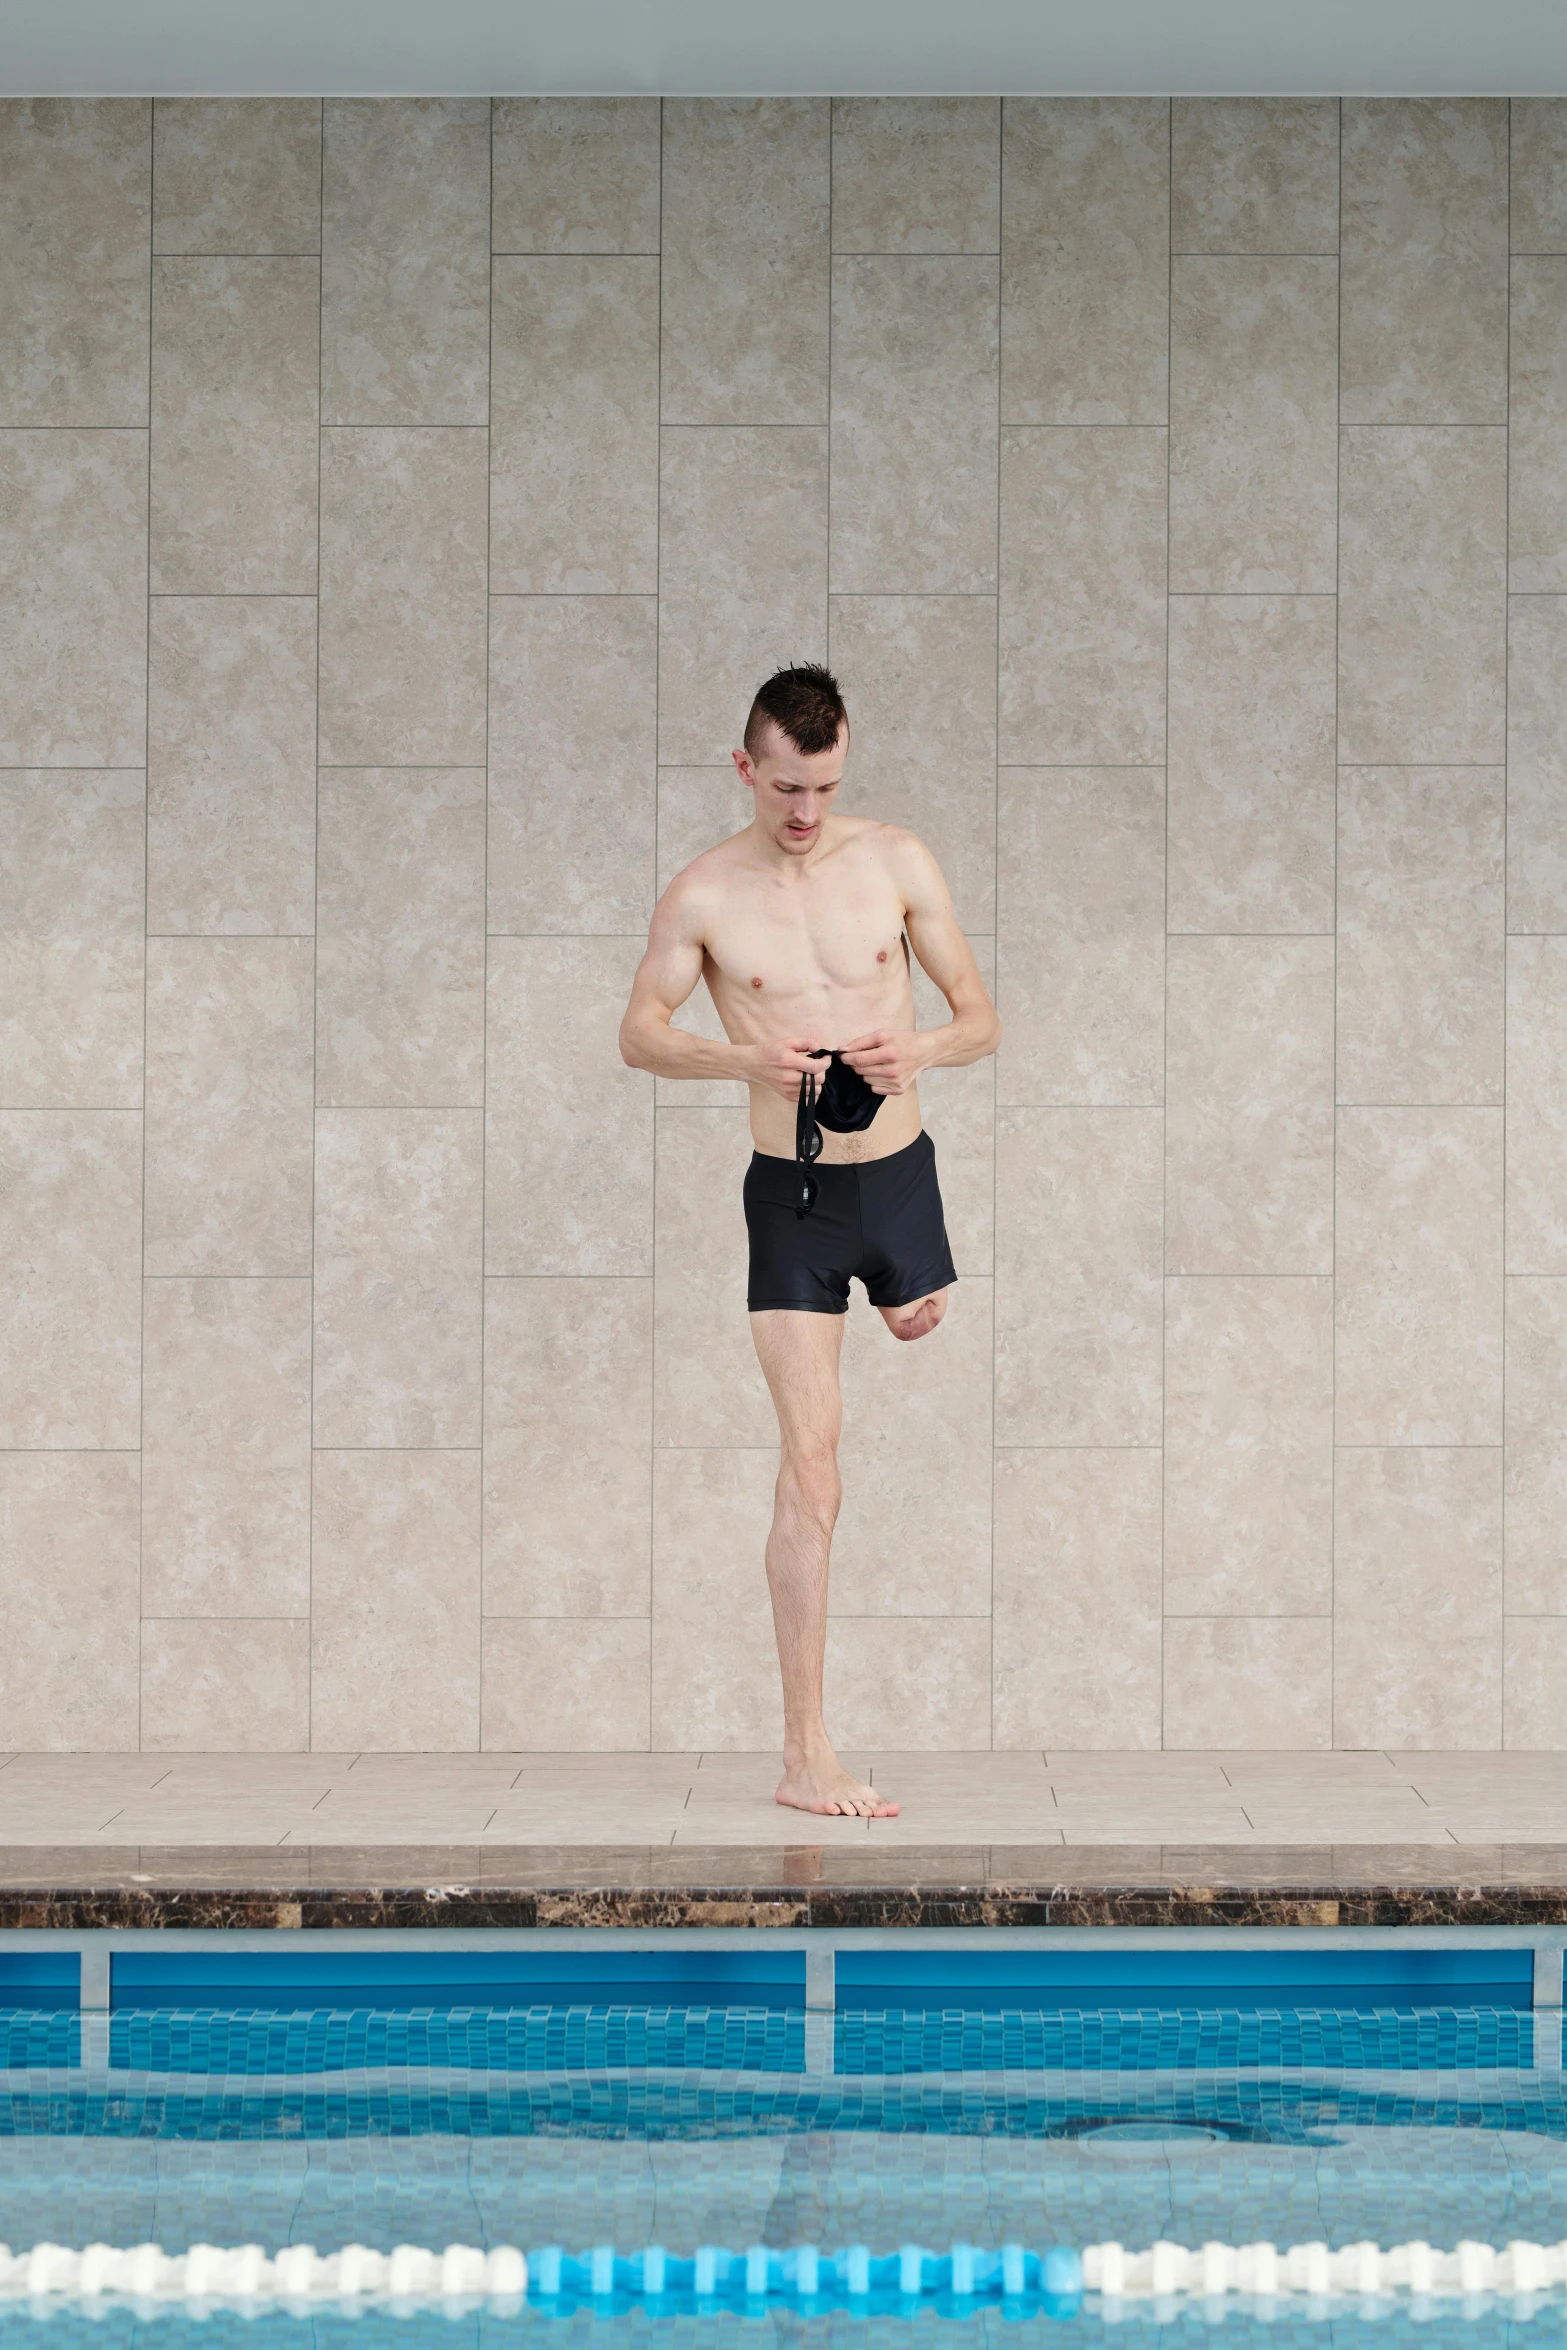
{"points": [[1309, 2277]]}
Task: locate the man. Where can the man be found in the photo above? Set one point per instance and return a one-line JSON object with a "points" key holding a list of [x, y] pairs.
{"points": [[801, 926]]}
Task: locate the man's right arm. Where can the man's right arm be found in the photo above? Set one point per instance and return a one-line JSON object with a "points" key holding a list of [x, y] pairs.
{"points": [[666, 976]]}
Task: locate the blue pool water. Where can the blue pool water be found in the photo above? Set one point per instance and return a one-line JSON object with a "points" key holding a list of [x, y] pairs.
{"points": [[730, 2127], [983, 2110]]}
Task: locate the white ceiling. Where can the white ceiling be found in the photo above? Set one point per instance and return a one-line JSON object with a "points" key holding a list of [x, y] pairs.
{"points": [[782, 45]]}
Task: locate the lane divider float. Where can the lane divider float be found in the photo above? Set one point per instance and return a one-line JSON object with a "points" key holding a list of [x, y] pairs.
{"points": [[464, 2277]]}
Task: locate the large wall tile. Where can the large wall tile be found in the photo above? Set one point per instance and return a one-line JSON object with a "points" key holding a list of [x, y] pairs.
{"points": [[1422, 584], [1425, 260], [708, 1385], [1085, 270], [715, 1664], [1417, 1652], [916, 175], [573, 778], [1249, 1072], [70, 1311], [1537, 428], [1253, 702], [230, 1079], [1536, 763], [1083, 605], [231, 764], [697, 808], [1536, 1431], [395, 1622], [575, 1685], [69, 1536], [400, 947], [398, 1290], [73, 598], [72, 893], [914, 357], [574, 426], [919, 1684], [225, 1688], [958, 1107], [1248, 1449], [1246, 1681], [1538, 184], [1254, 175], [404, 527], [1077, 1630], [576, 175], [405, 261], [919, 677], [745, 239], [75, 219], [569, 1129], [1079, 1303], [235, 445], [1254, 426], [226, 1448], [1419, 1289], [1421, 946], [726, 621], [1534, 1684], [1537, 1105], [913, 1536], [568, 1413], [236, 175], [1080, 936]]}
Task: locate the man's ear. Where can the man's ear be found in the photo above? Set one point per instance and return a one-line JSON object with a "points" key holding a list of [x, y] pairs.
{"points": [[743, 766]]}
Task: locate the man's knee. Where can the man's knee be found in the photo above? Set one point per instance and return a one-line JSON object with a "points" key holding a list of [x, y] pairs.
{"points": [[916, 1320], [811, 1464]]}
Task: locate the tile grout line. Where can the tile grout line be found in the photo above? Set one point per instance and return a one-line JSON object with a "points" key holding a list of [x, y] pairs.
{"points": [[315, 968], [995, 895], [1507, 638], [658, 798], [146, 887], [1338, 565], [1164, 1062], [484, 1031]]}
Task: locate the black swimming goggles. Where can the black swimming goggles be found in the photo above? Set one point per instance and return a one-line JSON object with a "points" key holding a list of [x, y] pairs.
{"points": [[845, 1105], [807, 1145]]}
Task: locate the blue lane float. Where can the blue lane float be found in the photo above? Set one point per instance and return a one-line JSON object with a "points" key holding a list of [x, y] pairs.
{"points": [[714, 2273]]}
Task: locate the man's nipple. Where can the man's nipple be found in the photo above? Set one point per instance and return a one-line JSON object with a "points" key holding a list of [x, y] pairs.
{"points": [[882, 956], [757, 982]]}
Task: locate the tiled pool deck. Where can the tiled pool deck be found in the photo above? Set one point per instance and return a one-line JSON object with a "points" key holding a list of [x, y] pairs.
{"points": [[637, 1839], [103, 1801]]}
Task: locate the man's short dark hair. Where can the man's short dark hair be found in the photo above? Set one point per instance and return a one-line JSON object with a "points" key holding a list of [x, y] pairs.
{"points": [[804, 704]]}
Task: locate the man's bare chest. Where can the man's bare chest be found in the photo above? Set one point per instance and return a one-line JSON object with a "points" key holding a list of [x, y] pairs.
{"points": [[784, 941]]}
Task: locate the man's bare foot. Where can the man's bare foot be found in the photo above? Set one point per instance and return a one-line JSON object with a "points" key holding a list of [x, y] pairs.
{"points": [[823, 1785]]}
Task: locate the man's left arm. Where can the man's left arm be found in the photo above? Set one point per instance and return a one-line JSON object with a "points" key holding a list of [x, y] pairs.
{"points": [[890, 1060]]}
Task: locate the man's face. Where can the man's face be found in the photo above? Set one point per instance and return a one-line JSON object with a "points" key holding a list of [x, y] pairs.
{"points": [[793, 789]]}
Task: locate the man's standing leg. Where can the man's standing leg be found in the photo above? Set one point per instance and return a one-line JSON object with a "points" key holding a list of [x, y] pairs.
{"points": [[799, 1354]]}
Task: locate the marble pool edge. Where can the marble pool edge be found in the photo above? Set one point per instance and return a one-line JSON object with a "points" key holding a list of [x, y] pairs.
{"points": [[315, 1888]]}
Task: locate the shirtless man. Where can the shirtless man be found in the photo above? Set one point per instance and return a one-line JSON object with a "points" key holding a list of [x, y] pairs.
{"points": [[801, 926]]}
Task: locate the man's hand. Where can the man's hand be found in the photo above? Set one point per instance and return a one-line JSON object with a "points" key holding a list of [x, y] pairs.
{"points": [[781, 1064], [889, 1059]]}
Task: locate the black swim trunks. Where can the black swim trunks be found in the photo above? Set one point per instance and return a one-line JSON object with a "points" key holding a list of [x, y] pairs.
{"points": [[879, 1220]]}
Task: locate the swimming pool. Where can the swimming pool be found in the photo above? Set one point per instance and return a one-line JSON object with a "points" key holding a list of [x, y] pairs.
{"points": [[737, 2160]]}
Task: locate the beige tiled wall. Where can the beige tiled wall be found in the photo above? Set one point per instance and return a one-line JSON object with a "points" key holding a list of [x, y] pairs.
{"points": [[398, 502]]}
